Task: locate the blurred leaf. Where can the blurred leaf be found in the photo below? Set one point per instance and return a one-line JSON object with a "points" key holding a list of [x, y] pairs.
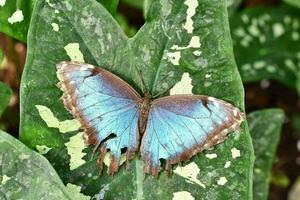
{"points": [[1, 56], [265, 43], [110, 5], [134, 3], [15, 18], [129, 30], [265, 128], [5, 95], [280, 179], [296, 122], [27, 175], [205, 54], [232, 5], [295, 3]]}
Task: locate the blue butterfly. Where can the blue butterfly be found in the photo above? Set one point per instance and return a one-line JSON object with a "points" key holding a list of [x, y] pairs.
{"points": [[116, 117]]}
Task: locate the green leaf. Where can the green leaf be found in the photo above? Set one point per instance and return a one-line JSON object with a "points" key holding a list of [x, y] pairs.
{"points": [[110, 5], [1, 56], [15, 18], [265, 128], [5, 95], [265, 44], [232, 5], [206, 57], [295, 3], [128, 29], [27, 175], [16, 14], [134, 3]]}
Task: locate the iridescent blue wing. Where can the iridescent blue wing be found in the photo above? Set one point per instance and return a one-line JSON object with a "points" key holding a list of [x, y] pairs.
{"points": [[107, 107], [180, 126]]}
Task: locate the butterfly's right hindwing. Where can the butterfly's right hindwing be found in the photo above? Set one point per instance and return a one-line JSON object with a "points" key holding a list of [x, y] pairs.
{"points": [[180, 126], [106, 106]]}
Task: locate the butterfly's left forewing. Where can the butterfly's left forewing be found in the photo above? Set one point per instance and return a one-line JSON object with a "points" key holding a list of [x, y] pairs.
{"points": [[180, 126], [107, 107]]}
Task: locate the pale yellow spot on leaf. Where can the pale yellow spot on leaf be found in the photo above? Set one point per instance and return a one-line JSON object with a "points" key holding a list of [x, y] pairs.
{"points": [[235, 153], [5, 179], [182, 195], [74, 190], [74, 149], [211, 156], [55, 27], [191, 11], [174, 57], [51, 121], [222, 181], [74, 52], [43, 149], [2, 2], [190, 172], [184, 86], [16, 17]]}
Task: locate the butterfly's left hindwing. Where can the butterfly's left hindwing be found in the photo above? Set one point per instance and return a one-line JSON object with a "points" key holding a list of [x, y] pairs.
{"points": [[180, 126], [106, 106]]}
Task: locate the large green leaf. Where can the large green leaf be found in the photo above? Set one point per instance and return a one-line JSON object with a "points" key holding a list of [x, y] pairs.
{"points": [[5, 95], [265, 44], [134, 3], [27, 175], [16, 14], [173, 40], [295, 3], [265, 127], [233, 5], [15, 17]]}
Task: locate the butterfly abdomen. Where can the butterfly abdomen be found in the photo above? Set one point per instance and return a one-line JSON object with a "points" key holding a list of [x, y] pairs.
{"points": [[144, 111]]}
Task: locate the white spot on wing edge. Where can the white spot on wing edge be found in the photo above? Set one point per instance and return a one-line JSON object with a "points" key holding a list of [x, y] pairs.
{"points": [[235, 153], [2, 2], [74, 149], [107, 159], [191, 11], [190, 172], [51, 121], [184, 86], [74, 52], [222, 181], [182, 195], [17, 16]]}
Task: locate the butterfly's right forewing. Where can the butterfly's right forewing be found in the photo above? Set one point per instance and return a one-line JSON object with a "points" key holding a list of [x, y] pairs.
{"points": [[107, 107]]}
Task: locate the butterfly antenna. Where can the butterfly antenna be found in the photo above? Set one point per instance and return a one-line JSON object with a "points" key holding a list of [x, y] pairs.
{"points": [[164, 91], [161, 80]]}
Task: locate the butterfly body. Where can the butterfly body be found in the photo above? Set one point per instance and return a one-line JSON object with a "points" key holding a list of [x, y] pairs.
{"points": [[145, 105], [114, 116]]}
